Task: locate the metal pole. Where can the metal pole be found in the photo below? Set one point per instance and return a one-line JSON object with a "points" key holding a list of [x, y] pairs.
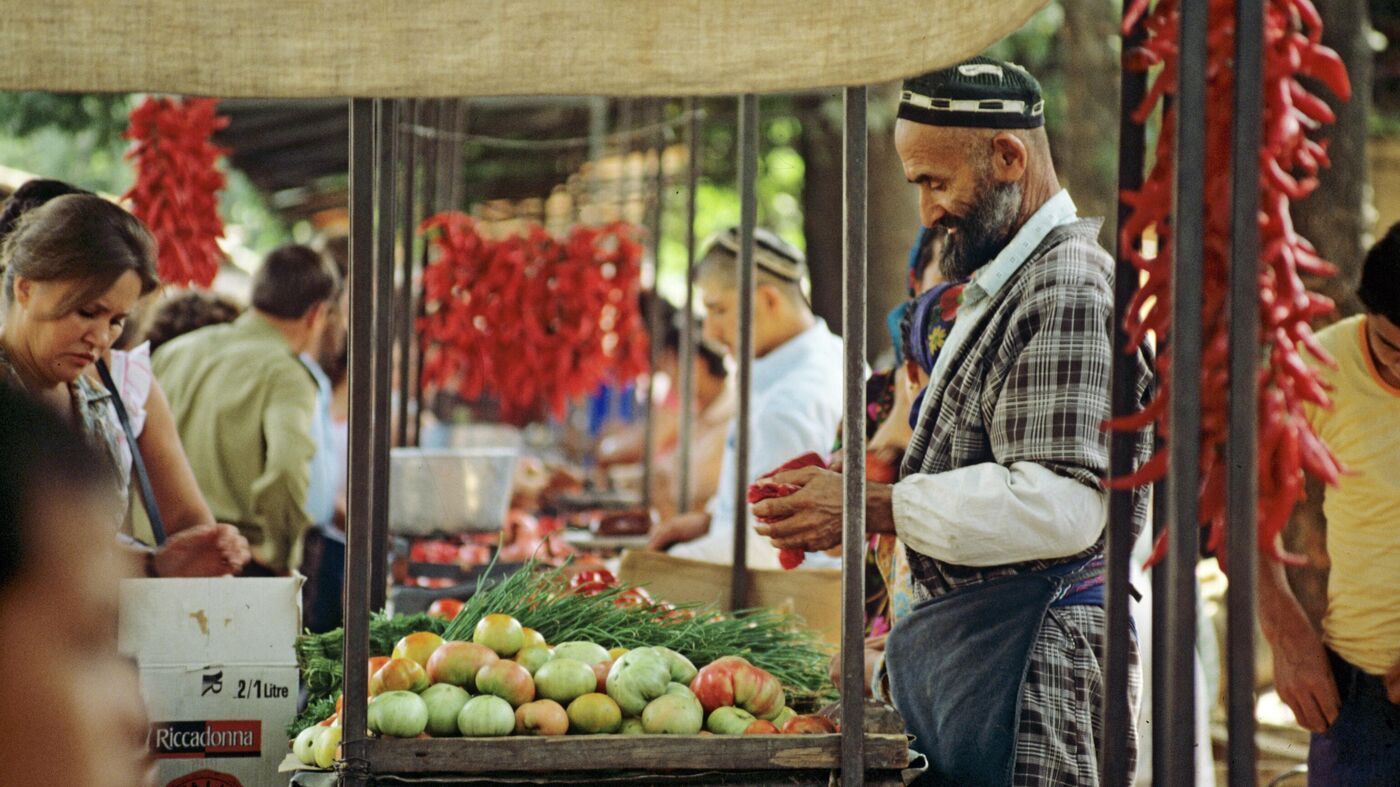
{"points": [[406, 327], [748, 217], [1118, 547], [1160, 743], [459, 156], [853, 265], [688, 311], [358, 536], [1241, 484], [386, 120], [446, 127], [655, 330], [1184, 479], [429, 119]]}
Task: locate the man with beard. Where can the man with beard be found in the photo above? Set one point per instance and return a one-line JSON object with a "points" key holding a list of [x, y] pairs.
{"points": [[1000, 504]]}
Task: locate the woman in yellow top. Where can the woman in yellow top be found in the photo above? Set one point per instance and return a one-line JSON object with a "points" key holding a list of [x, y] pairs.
{"points": [[1345, 685], [75, 266]]}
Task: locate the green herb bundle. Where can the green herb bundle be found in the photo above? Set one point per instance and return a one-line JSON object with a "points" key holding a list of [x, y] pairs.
{"points": [[773, 640], [320, 658]]}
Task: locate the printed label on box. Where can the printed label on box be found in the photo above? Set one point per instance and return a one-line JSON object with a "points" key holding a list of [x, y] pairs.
{"points": [[199, 739]]}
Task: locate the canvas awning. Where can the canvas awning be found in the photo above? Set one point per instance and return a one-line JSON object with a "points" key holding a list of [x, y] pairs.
{"points": [[382, 48]]}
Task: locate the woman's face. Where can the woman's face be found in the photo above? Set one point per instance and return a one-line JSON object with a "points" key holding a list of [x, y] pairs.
{"points": [[62, 346], [70, 705]]}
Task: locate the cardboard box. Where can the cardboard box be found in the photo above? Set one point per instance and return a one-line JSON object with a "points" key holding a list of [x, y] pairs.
{"points": [[814, 594], [218, 673]]}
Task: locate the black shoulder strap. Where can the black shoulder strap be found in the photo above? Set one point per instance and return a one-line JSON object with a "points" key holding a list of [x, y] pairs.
{"points": [[138, 465]]}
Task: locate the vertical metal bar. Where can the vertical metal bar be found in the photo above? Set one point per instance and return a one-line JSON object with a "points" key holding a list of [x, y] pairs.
{"points": [[1241, 483], [1118, 547], [405, 324], [655, 330], [446, 128], [1158, 577], [1187, 329], [459, 155], [748, 218], [597, 127], [427, 124], [386, 121], [853, 264], [688, 311], [361, 342]]}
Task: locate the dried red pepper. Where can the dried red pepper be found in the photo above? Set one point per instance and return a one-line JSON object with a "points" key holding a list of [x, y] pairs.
{"points": [[1289, 163], [177, 185], [530, 320]]}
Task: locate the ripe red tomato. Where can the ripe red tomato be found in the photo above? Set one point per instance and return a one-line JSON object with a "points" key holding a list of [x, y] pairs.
{"points": [[445, 608]]}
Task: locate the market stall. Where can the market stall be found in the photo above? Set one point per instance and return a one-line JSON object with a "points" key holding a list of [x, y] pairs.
{"points": [[265, 49]]}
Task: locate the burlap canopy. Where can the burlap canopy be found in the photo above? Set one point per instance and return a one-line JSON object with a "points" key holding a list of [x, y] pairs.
{"points": [[295, 48]]}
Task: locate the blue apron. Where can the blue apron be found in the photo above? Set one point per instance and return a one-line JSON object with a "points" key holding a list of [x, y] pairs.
{"points": [[958, 662]]}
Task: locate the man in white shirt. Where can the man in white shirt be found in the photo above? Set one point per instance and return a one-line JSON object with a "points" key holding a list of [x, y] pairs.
{"points": [[1000, 504], [796, 392]]}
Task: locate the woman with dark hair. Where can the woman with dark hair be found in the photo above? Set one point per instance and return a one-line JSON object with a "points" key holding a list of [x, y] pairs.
{"points": [[70, 710], [75, 268]]}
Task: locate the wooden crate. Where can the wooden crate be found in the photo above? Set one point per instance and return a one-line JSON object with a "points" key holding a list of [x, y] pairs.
{"points": [[650, 753]]}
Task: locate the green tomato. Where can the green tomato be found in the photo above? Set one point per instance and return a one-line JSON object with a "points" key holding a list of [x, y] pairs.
{"points": [[326, 744], [784, 715], [587, 652], [682, 671], [486, 716], [401, 714], [303, 746], [564, 680], [673, 714], [729, 721], [638, 677], [594, 713], [444, 703], [632, 727], [532, 657]]}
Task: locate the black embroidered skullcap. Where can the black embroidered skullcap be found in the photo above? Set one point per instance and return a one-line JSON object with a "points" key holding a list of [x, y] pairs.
{"points": [[976, 93]]}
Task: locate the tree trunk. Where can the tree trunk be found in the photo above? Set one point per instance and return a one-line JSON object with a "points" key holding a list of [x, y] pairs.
{"points": [[893, 214], [1334, 217], [1086, 149]]}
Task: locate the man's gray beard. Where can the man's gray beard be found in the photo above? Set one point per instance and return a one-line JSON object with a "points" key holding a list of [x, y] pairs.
{"points": [[982, 233]]}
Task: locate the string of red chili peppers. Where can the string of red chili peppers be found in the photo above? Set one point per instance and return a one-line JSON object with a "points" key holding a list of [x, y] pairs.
{"points": [[1289, 163], [529, 320], [177, 185]]}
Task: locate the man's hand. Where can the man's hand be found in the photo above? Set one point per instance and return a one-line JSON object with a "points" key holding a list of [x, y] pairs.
{"points": [[874, 649], [808, 519], [1304, 680], [202, 551], [677, 530], [1392, 683]]}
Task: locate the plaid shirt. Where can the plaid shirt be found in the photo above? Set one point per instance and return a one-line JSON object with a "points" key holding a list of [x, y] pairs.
{"points": [[1030, 384]]}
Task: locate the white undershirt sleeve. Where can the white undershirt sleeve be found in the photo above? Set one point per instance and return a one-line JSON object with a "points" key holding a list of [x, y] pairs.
{"points": [[990, 515]]}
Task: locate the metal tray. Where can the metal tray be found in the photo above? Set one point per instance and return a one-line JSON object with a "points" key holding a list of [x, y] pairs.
{"points": [[449, 490]]}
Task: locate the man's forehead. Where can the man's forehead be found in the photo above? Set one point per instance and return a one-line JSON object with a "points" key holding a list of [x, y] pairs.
{"points": [[930, 145]]}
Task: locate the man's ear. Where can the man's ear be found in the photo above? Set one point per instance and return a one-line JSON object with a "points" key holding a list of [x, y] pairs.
{"points": [[1009, 157], [24, 290], [315, 313], [767, 298]]}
